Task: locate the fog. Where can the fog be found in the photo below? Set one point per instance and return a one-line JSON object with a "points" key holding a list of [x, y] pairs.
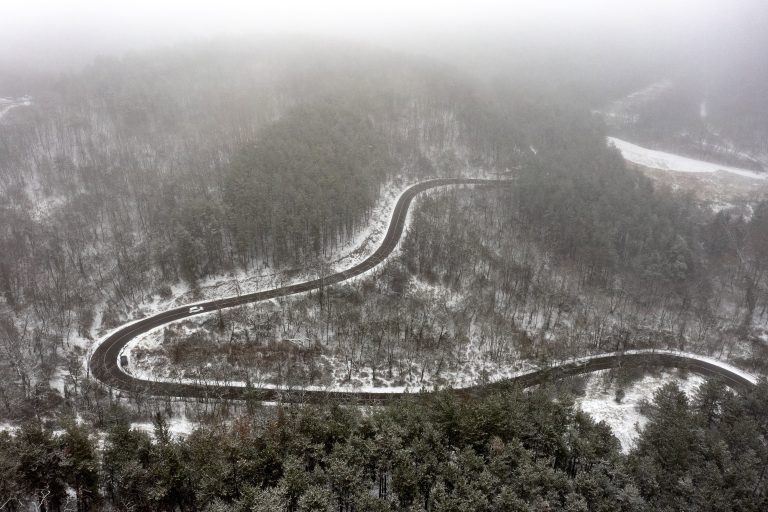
{"points": [[57, 36]]}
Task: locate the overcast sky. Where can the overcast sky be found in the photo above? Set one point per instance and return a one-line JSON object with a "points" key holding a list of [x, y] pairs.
{"points": [[63, 33]]}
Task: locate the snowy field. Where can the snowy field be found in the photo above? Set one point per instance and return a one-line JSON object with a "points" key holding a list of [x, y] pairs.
{"points": [[671, 162], [625, 418]]}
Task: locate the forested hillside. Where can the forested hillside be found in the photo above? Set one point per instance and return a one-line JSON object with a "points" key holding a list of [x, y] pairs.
{"points": [[136, 175], [384, 257], [507, 451], [306, 184], [153, 172], [581, 256], [138, 192]]}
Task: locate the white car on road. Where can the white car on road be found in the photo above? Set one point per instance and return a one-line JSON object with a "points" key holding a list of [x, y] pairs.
{"points": [[196, 309]]}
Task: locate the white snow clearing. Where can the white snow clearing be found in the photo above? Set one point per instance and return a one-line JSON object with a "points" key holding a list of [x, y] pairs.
{"points": [[625, 418], [671, 162], [178, 426]]}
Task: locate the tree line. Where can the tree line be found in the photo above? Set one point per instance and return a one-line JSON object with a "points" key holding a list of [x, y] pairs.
{"points": [[506, 451]]}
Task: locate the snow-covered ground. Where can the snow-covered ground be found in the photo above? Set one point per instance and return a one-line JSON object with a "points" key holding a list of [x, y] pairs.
{"points": [[625, 418], [178, 426], [473, 365], [671, 162], [475, 371]]}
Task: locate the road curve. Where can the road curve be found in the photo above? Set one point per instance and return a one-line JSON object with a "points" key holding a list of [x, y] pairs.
{"points": [[103, 363]]}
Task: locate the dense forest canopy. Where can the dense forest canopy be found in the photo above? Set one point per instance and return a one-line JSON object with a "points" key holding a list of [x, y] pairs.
{"points": [[507, 451], [325, 163]]}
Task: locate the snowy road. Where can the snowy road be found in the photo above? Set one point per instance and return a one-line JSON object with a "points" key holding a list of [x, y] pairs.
{"points": [[103, 362], [104, 366]]}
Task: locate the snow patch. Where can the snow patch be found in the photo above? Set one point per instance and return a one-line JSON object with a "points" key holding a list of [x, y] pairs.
{"points": [[179, 426], [625, 418], [671, 162]]}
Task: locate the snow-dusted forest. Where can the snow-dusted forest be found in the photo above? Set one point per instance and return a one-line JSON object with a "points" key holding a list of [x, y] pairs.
{"points": [[624, 210]]}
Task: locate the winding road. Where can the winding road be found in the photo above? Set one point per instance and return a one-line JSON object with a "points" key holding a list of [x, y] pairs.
{"points": [[103, 363]]}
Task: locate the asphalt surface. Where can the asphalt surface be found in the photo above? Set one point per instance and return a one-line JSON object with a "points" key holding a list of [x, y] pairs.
{"points": [[103, 364]]}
